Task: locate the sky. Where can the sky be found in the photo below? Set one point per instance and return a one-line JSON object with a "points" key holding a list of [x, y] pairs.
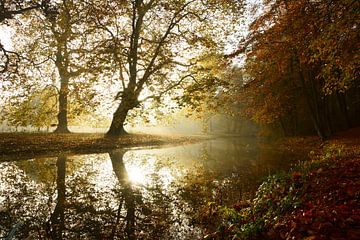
{"points": [[5, 33]]}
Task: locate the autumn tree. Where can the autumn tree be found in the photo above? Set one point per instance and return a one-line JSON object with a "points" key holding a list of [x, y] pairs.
{"points": [[302, 52], [36, 109], [152, 45], [9, 9], [58, 53], [206, 95]]}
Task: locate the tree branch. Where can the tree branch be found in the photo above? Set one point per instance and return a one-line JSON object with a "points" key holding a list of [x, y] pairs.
{"points": [[159, 95], [174, 21]]}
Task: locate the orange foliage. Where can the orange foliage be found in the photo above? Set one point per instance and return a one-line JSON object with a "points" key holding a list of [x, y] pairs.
{"points": [[297, 45]]}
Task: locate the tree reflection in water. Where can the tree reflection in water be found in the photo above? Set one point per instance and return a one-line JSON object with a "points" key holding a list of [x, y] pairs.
{"points": [[56, 224], [62, 201], [127, 195], [97, 197]]}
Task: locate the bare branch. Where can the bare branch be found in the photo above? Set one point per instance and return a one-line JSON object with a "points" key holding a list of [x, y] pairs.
{"points": [[4, 67]]}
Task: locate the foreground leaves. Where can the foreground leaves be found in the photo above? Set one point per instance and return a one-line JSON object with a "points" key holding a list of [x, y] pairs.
{"points": [[319, 199]]}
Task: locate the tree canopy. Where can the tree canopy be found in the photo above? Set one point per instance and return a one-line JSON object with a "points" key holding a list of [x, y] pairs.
{"points": [[300, 74], [300, 54]]}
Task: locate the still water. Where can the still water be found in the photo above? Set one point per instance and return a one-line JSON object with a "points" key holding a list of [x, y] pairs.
{"points": [[162, 193]]}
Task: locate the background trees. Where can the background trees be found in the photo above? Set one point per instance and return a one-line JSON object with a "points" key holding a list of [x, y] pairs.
{"points": [[303, 55], [57, 49], [134, 51], [37, 109], [301, 73]]}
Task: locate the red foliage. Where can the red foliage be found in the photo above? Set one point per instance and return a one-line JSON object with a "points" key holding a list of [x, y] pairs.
{"points": [[331, 205]]}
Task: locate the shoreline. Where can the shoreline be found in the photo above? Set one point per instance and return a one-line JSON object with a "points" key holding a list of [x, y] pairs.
{"points": [[21, 146], [315, 199]]}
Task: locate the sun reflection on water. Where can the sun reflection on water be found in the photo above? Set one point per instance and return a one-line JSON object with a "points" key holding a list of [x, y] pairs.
{"points": [[136, 175], [146, 167]]}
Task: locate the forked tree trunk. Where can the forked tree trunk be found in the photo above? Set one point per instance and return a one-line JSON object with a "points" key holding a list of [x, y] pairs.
{"points": [[62, 126]]}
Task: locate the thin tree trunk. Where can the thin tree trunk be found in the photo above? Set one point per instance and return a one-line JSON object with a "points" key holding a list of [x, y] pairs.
{"points": [[312, 107], [343, 108], [328, 114]]}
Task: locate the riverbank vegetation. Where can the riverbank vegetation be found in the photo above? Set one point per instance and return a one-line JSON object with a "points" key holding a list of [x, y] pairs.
{"points": [[316, 199], [303, 67]]}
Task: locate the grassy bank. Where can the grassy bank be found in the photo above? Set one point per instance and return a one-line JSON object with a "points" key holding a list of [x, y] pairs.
{"points": [[26, 145], [317, 199]]}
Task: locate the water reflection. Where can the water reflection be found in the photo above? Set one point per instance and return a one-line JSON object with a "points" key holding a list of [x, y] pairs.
{"points": [[128, 195], [56, 224], [136, 194]]}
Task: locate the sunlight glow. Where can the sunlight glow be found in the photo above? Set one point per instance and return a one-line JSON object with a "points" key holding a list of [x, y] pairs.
{"points": [[136, 174], [149, 167], [5, 37]]}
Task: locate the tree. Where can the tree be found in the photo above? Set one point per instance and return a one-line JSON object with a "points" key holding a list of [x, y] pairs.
{"points": [[152, 43], [58, 47], [299, 54], [8, 10], [37, 109]]}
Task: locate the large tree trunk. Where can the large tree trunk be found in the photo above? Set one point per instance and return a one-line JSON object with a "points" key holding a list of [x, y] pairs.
{"points": [[62, 126], [117, 125]]}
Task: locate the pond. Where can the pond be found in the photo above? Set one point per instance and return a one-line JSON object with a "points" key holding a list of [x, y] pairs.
{"points": [[163, 193]]}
